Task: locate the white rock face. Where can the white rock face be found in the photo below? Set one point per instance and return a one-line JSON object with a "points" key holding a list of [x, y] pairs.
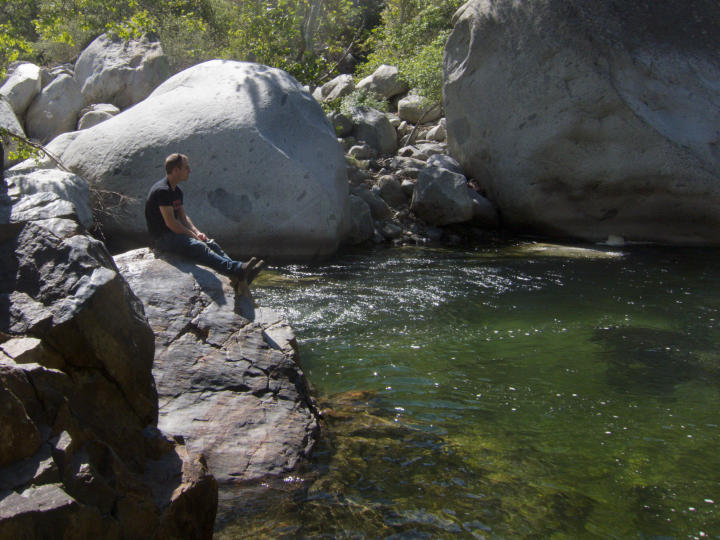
{"points": [[385, 82], [441, 197], [9, 121], [93, 115], [438, 133], [66, 185], [22, 87], [415, 109], [111, 70], [590, 118], [268, 175], [55, 110]]}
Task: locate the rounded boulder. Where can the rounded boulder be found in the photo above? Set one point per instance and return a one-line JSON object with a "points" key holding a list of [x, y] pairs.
{"points": [[268, 175], [590, 118]]}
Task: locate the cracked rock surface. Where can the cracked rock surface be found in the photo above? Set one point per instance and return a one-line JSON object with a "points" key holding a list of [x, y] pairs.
{"points": [[80, 453], [227, 373]]}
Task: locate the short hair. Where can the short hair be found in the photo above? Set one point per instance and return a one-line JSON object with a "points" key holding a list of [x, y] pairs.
{"points": [[174, 161]]}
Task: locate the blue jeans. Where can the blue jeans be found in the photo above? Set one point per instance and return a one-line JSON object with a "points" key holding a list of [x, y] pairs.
{"points": [[206, 253]]}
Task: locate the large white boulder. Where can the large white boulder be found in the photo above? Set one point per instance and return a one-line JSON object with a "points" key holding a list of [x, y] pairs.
{"points": [[121, 72], [55, 110], [268, 175], [22, 87], [590, 118]]}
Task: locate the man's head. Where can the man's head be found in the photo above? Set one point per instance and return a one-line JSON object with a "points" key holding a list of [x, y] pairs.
{"points": [[177, 167]]}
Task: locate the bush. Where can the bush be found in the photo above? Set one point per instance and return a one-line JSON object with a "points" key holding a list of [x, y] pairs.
{"points": [[361, 98], [412, 37]]}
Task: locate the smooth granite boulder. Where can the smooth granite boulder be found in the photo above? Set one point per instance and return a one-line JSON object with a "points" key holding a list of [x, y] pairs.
{"points": [[80, 455], [416, 109], [590, 118], [340, 86], [121, 72], [227, 373], [385, 81], [268, 175], [55, 110], [21, 87], [94, 114]]}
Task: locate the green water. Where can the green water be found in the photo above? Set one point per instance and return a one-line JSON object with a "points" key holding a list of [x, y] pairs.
{"points": [[508, 392]]}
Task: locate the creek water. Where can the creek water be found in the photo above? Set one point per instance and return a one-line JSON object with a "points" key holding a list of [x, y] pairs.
{"points": [[512, 391]]}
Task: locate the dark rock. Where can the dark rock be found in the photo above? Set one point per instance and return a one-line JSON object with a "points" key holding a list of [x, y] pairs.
{"points": [[441, 197], [231, 393], [391, 191], [342, 124], [380, 210], [361, 221], [444, 162], [76, 386], [373, 127]]}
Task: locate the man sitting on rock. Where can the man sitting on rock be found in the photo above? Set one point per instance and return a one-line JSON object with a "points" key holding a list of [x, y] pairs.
{"points": [[173, 231]]}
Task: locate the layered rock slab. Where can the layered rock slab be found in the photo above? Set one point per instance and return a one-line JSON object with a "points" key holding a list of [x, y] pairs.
{"points": [[590, 118], [227, 373], [268, 175], [81, 456]]}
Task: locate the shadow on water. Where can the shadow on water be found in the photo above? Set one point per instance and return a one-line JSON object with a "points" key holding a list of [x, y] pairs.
{"points": [[653, 361]]}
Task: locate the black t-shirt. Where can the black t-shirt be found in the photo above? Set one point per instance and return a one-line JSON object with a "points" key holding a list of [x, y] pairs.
{"points": [[160, 194]]}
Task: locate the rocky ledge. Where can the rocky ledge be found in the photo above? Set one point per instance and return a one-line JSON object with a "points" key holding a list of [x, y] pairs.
{"points": [[80, 452], [227, 375]]}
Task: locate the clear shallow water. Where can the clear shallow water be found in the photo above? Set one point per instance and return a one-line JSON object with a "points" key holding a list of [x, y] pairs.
{"points": [[507, 392]]}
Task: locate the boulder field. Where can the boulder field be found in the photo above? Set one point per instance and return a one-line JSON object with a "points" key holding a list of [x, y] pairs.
{"points": [[268, 173], [590, 118]]}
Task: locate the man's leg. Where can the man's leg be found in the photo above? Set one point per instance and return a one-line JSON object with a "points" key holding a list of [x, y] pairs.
{"points": [[248, 270], [200, 252]]}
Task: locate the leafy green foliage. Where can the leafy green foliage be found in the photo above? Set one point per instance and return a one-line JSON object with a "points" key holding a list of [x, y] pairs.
{"points": [[305, 37], [361, 98], [412, 37], [20, 147], [12, 47]]}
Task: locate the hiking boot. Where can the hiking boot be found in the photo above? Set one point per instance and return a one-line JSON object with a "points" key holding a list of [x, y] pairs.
{"points": [[247, 273]]}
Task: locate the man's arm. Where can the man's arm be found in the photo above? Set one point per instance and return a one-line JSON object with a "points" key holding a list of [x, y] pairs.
{"points": [[180, 224]]}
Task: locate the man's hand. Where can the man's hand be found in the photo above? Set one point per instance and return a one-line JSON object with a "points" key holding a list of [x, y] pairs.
{"points": [[202, 237]]}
